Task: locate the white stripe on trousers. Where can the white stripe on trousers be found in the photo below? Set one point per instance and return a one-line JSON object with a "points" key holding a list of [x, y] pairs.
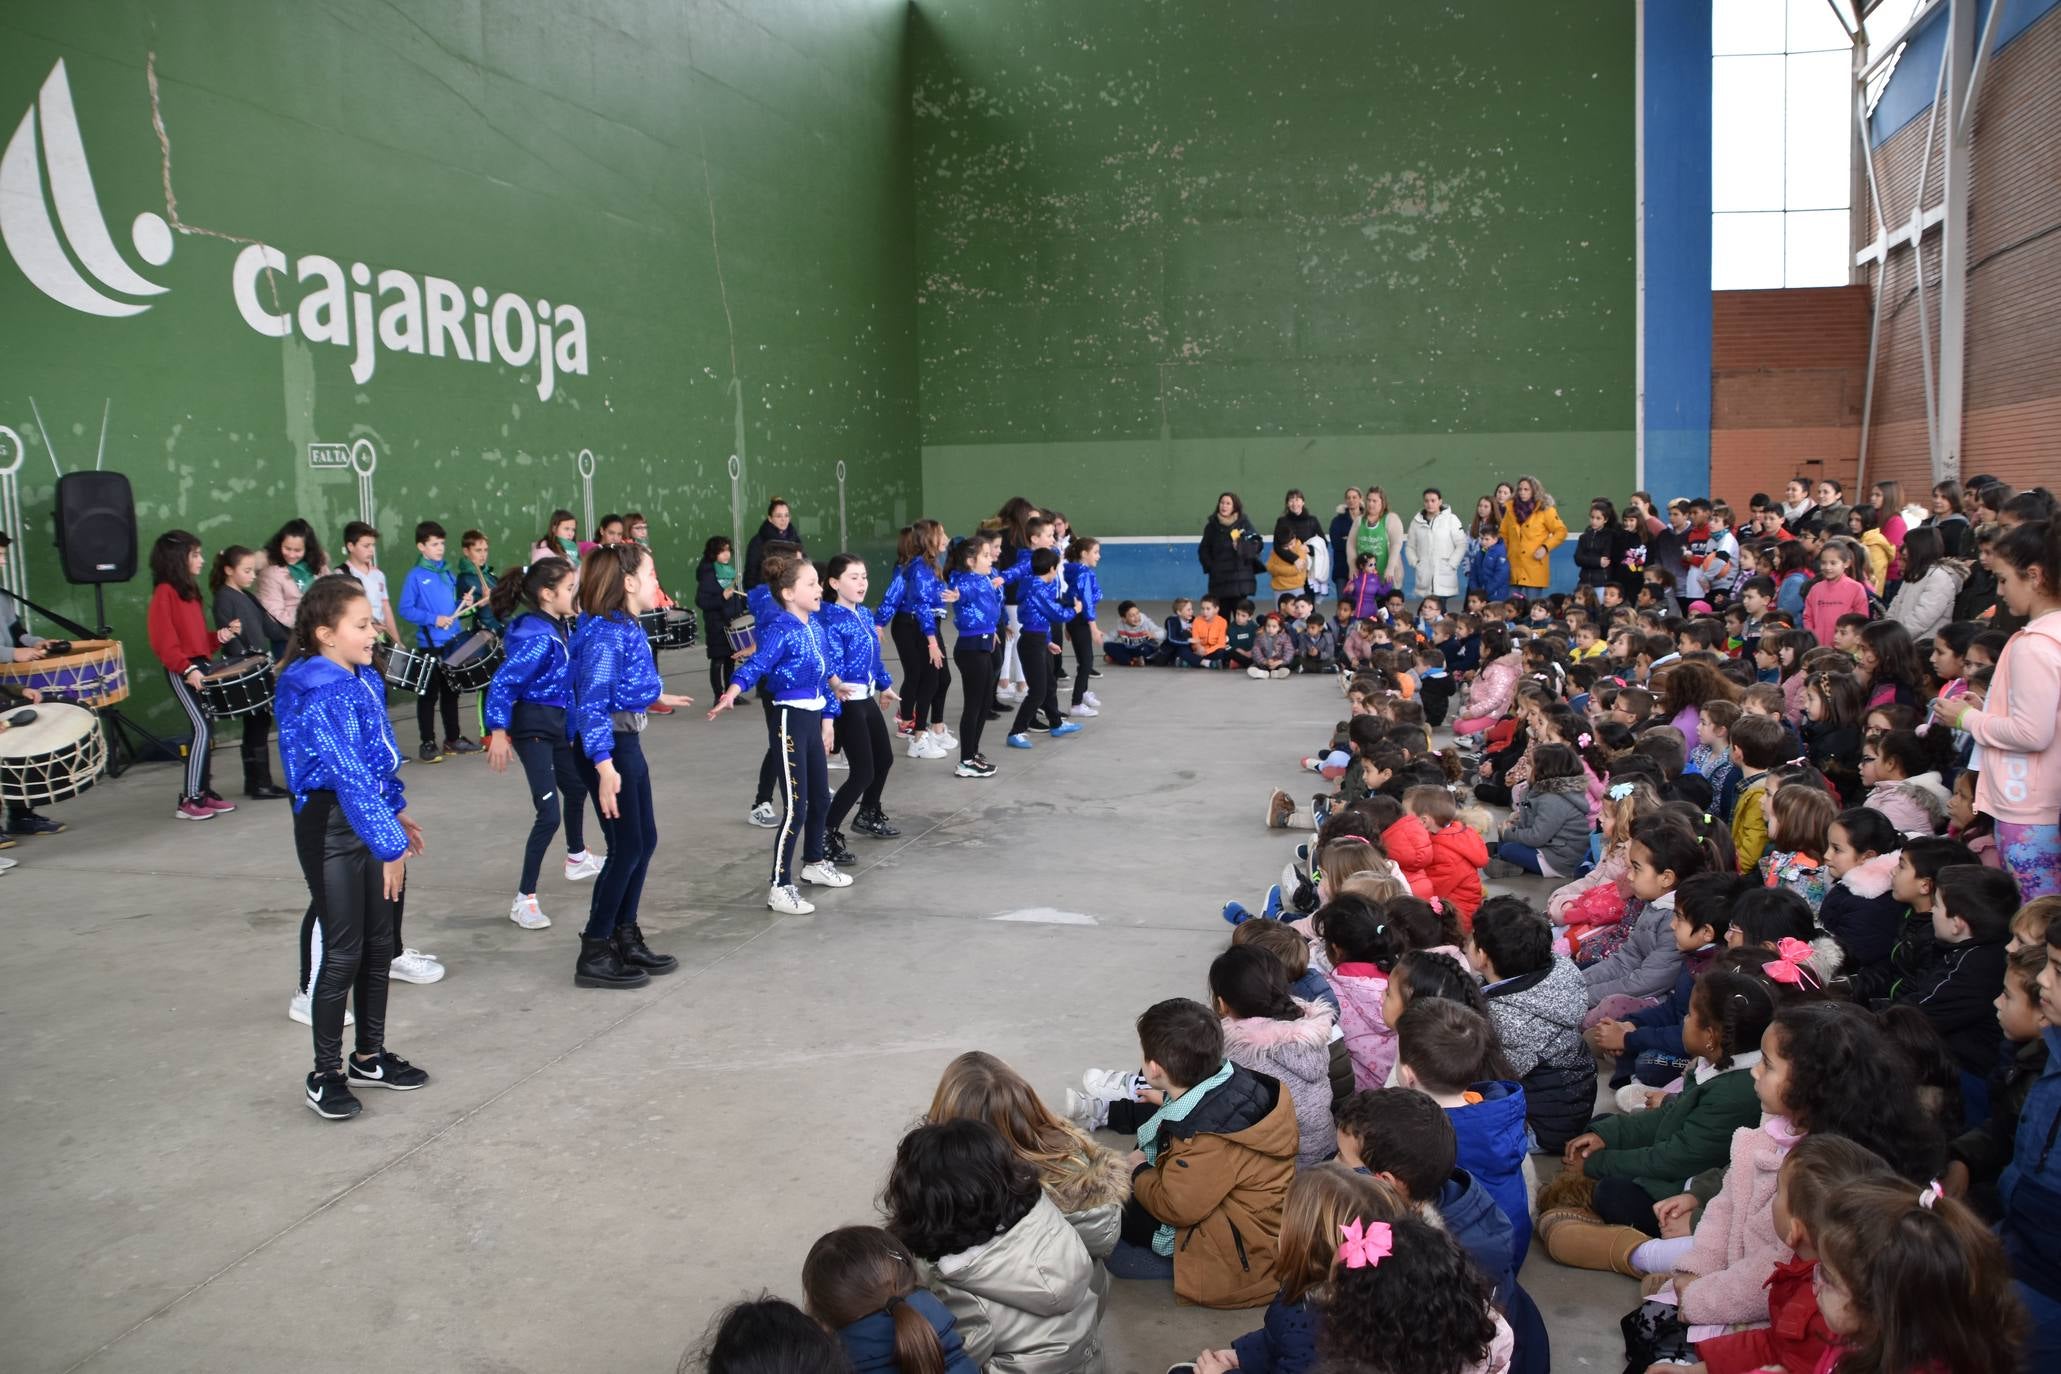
{"points": [[197, 756], [787, 820], [1012, 664]]}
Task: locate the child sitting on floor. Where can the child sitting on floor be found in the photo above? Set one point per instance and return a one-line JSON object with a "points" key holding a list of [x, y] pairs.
{"points": [[1537, 1000], [1274, 1034], [1449, 1053]]}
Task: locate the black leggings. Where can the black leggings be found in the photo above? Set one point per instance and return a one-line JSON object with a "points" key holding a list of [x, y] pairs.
{"points": [[976, 660], [863, 738], [769, 766], [797, 740], [1032, 649], [1621, 1202], [199, 776], [555, 791], [346, 884], [1083, 641], [720, 671], [632, 838], [923, 685], [257, 741]]}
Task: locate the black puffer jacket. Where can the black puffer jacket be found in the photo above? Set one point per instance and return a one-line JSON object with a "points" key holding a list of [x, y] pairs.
{"points": [[1303, 527], [755, 551], [1230, 558], [1593, 548]]}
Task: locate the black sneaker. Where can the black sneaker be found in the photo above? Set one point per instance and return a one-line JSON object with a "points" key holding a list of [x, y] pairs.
{"points": [[1094, 672], [838, 851], [429, 753], [1039, 727], [386, 1070], [1059, 674], [33, 824], [330, 1098]]}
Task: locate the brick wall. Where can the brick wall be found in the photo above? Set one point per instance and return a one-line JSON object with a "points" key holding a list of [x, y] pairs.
{"points": [[2013, 422], [1787, 373]]}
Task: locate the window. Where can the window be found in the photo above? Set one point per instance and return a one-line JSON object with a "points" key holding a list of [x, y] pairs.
{"points": [[1781, 167]]}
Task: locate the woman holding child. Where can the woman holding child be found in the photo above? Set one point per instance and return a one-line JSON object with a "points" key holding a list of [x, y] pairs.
{"points": [[1230, 552]]}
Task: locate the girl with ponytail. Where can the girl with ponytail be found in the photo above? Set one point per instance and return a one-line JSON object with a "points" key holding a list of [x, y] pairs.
{"points": [[525, 710], [860, 1282]]}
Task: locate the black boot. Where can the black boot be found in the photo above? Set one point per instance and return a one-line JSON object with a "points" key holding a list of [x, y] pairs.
{"points": [[600, 966], [874, 822], [836, 850], [635, 954], [257, 781]]}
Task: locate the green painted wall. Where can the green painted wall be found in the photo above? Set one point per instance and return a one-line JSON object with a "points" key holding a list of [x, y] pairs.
{"points": [[721, 190], [1166, 247]]}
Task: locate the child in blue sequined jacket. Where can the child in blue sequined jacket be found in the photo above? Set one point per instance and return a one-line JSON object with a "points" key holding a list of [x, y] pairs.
{"points": [[613, 673], [334, 736]]}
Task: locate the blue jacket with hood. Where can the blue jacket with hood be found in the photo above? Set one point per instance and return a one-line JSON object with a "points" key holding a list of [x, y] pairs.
{"points": [[1493, 1144]]}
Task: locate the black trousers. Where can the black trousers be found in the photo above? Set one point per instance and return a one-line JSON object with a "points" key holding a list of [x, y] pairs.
{"points": [[438, 697], [632, 838], [1083, 641], [557, 792], [346, 884], [1033, 649], [797, 739], [257, 742], [868, 746], [976, 660], [918, 677], [720, 671], [769, 766], [1621, 1202]]}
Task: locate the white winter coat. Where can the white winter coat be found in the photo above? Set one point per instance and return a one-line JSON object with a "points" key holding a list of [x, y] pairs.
{"points": [[1025, 1302], [1925, 605], [1436, 549]]}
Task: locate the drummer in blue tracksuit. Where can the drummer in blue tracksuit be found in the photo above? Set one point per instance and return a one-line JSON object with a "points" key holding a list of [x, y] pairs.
{"points": [[793, 660], [527, 707], [862, 684], [430, 602]]}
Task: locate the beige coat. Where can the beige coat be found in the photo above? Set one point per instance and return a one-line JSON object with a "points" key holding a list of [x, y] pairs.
{"points": [[1025, 1302]]}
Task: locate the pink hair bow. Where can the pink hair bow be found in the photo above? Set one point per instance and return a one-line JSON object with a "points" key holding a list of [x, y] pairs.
{"points": [[1791, 964], [1436, 905], [1365, 1249], [1930, 1194], [1583, 740]]}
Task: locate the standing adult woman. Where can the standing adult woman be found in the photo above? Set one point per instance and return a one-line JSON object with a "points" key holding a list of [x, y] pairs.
{"points": [[615, 681], [1229, 553], [1531, 531], [293, 560], [793, 657], [1342, 534], [862, 733], [1437, 547], [1296, 522], [1379, 532], [525, 713], [180, 638], [777, 527]]}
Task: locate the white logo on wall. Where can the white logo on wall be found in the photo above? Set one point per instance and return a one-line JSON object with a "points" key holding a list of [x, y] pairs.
{"points": [[351, 308]]}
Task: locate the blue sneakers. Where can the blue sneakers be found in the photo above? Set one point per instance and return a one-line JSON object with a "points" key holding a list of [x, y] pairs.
{"points": [[1272, 911], [1066, 727], [1235, 913], [1019, 742]]}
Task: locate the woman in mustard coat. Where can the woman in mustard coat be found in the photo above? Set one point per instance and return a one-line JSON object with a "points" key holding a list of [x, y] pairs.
{"points": [[1531, 531]]}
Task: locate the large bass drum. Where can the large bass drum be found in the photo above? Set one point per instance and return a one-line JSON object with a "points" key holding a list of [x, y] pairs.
{"points": [[53, 758], [91, 673]]}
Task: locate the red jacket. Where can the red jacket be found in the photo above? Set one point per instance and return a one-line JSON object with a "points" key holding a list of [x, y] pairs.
{"points": [[1409, 844], [1795, 1343], [179, 633], [1458, 855]]}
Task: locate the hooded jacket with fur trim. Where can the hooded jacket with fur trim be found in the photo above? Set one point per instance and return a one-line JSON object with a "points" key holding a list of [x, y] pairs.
{"points": [[1859, 912], [1299, 1054], [1915, 806]]}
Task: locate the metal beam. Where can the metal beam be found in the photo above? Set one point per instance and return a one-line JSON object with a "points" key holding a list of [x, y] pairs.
{"points": [[1882, 49], [1989, 32], [1957, 165]]}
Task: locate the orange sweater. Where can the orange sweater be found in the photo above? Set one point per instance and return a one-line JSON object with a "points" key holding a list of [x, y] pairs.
{"points": [[1209, 634]]}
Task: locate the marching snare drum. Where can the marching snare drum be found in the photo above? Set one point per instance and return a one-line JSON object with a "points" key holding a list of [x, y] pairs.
{"points": [[410, 670], [239, 688], [742, 634], [471, 665], [673, 629], [53, 758], [92, 674]]}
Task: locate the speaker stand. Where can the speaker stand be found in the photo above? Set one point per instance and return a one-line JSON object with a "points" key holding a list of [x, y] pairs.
{"points": [[128, 743]]}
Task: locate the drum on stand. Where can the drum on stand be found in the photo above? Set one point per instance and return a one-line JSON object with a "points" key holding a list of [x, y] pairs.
{"points": [[53, 758], [409, 670], [239, 688], [471, 665], [743, 635], [668, 629], [92, 672]]}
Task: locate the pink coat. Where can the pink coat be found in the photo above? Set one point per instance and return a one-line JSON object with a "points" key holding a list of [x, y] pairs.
{"points": [[1827, 601], [1495, 689], [1613, 867], [1735, 1247], [1369, 1039], [2020, 781]]}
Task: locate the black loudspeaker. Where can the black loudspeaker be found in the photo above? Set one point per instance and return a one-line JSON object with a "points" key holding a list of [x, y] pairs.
{"points": [[96, 527]]}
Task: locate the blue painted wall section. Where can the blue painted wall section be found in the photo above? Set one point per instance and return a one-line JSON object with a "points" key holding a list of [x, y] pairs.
{"points": [[1677, 342], [1911, 85]]}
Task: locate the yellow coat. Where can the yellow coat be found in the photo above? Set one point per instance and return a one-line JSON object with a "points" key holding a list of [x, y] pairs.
{"points": [[1880, 554], [1290, 574], [1542, 531]]}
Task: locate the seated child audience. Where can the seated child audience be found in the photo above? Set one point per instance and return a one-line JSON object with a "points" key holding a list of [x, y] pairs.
{"points": [[1958, 980], [1859, 910], [861, 1285], [1648, 1041], [1549, 833], [1276, 1035], [1665, 852], [1537, 1000], [1458, 853], [1449, 1053]]}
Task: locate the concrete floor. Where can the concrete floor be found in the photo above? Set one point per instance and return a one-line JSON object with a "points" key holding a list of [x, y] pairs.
{"points": [[592, 1174]]}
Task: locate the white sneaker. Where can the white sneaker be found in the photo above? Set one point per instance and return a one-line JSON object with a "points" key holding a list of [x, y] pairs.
{"points": [[583, 865], [763, 815], [943, 735], [1255, 672], [413, 966], [6, 864], [1092, 700], [936, 748], [1088, 1113], [1084, 710], [920, 746], [1113, 1085], [823, 873], [525, 912], [788, 901], [837, 763], [301, 1009]]}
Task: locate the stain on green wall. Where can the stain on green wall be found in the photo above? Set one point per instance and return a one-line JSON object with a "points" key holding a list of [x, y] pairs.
{"points": [[1166, 247], [720, 191]]}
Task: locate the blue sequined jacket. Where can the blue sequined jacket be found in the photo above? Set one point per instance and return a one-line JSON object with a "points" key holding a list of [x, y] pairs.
{"points": [[612, 671], [1084, 586], [537, 668], [334, 737], [794, 659], [1013, 577], [891, 599], [854, 648], [978, 611], [1044, 605]]}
